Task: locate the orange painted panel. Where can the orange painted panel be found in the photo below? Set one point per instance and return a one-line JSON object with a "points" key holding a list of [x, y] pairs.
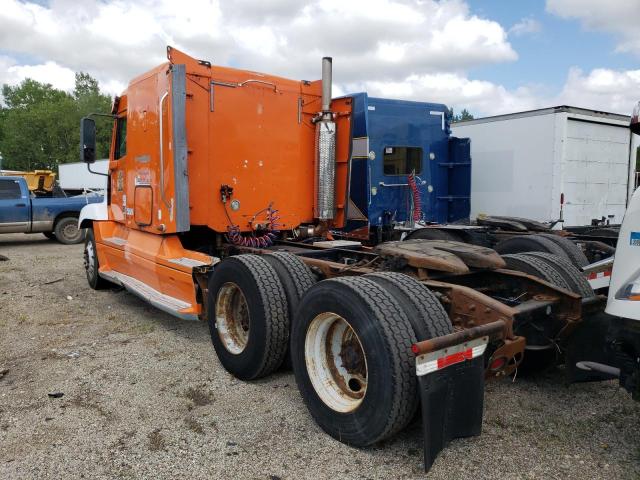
{"points": [[147, 257], [143, 205], [245, 130]]}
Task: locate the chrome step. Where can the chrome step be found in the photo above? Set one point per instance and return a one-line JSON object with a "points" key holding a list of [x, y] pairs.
{"points": [[166, 303]]}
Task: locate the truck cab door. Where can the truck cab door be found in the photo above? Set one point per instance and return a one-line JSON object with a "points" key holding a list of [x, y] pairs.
{"points": [[120, 205], [15, 206]]}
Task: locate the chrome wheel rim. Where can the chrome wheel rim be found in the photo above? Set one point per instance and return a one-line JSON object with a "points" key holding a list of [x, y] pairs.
{"points": [[336, 362], [232, 318]]}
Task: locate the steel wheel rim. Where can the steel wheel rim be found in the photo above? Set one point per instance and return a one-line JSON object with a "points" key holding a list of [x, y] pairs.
{"points": [[71, 231], [232, 318], [336, 362], [89, 259]]}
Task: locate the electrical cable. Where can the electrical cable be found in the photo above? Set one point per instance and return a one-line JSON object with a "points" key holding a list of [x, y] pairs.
{"points": [[235, 236], [415, 196]]}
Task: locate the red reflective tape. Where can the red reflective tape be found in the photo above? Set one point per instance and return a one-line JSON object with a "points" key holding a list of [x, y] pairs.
{"points": [[455, 358], [594, 275]]}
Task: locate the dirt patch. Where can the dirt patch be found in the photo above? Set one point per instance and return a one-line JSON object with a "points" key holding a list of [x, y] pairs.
{"points": [[193, 425], [199, 396], [156, 441]]}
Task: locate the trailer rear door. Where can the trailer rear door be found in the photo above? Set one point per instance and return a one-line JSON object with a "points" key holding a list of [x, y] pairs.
{"points": [[595, 171]]}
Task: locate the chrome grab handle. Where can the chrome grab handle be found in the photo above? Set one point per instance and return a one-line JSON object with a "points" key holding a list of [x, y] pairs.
{"points": [[382, 184], [264, 82]]}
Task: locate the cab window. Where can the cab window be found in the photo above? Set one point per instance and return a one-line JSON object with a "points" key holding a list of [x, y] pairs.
{"points": [[9, 190], [402, 160], [121, 138]]}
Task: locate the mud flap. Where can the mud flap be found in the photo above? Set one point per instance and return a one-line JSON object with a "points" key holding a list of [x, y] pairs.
{"points": [[451, 375], [452, 404]]}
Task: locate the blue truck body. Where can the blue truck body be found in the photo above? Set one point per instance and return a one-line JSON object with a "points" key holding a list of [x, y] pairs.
{"points": [[391, 136], [22, 212]]}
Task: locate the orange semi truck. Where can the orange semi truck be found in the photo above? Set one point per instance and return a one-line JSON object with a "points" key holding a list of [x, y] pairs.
{"points": [[224, 186]]}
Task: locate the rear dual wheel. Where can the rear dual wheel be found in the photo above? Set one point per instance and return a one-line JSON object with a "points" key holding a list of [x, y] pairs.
{"points": [[574, 278], [248, 316], [296, 279], [544, 242], [554, 269], [559, 272], [350, 341], [351, 353]]}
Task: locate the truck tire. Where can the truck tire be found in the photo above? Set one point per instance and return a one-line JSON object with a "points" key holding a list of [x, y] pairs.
{"points": [[424, 311], [529, 243], [536, 267], [67, 232], [296, 279], [248, 316], [91, 263], [577, 256], [351, 353], [433, 234], [575, 278]]}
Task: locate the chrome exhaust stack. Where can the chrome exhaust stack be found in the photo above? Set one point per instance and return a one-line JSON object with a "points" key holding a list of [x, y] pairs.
{"points": [[325, 155], [327, 64]]}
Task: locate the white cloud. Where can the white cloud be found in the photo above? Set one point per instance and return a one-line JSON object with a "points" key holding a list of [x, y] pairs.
{"points": [[412, 49], [602, 89], [384, 39], [49, 72], [619, 17], [526, 26], [478, 96]]}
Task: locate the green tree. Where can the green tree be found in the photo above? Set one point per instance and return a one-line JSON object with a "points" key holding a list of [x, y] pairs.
{"points": [[40, 125], [89, 99], [463, 115]]}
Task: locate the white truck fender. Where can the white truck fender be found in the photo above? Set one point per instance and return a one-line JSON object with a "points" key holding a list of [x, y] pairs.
{"points": [[626, 264], [93, 211]]}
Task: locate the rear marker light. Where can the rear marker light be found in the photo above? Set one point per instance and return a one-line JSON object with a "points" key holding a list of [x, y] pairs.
{"points": [[498, 364]]}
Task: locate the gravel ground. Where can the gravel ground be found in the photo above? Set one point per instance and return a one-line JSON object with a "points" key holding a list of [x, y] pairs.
{"points": [[145, 397]]}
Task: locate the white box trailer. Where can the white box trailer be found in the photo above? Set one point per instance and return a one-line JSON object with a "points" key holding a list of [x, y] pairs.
{"points": [[524, 163], [75, 177]]}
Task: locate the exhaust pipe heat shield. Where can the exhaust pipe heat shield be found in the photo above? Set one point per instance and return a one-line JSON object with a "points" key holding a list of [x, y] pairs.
{"points": [[325, 170]]}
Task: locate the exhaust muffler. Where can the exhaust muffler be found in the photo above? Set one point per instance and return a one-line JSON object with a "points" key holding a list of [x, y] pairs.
{"points": [[325, 154]]}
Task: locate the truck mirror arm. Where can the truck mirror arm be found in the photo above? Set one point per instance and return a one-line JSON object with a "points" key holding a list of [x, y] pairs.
{"points": [[94, 172], [96, 114]]}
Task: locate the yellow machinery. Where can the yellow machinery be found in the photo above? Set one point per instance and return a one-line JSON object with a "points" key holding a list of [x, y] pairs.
{"points": [[37, 180]]}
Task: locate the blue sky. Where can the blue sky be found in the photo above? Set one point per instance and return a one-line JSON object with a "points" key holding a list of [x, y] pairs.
{"points": [[546, 56], [488, 56]]}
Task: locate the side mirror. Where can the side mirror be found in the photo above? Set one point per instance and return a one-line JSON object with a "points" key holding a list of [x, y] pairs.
{"points": [[87, 140]]}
